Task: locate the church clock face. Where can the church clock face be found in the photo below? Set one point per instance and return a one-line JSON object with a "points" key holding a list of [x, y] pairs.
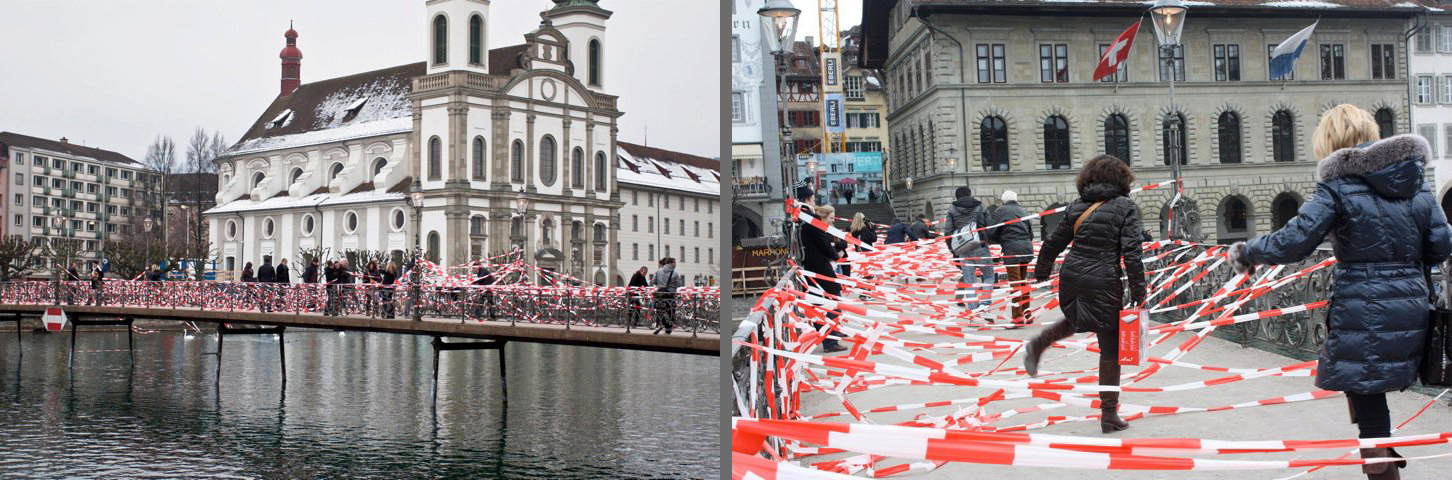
{"points": [[547, 88]]}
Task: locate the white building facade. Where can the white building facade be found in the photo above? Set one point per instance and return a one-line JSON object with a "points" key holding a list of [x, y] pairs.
{"points": [[755, 151], [1429, 59], [331, 163], [670, 210]]}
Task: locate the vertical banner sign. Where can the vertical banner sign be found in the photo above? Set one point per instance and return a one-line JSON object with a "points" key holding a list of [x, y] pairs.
{"points": [[833, 113], [1132, 332], [831, 71]]}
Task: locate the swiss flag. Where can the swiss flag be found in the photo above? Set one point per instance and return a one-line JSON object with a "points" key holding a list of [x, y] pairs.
{"points": [[1116, 53]]}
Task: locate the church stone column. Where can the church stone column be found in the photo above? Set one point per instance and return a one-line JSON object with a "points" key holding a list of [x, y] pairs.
{"points": [[567, 164], [458, 130], [500, 171], [529, 156]]}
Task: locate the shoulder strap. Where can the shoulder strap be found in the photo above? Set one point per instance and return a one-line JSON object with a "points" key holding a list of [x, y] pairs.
{"points": [[1085, 215]]}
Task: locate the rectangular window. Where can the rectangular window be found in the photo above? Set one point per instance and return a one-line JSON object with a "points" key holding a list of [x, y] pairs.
{"points": [[1383, 61], [37, 221], [1424, 89], [650, 253], [635, 251], [19, 159], [710, 230], [854, 88], [38, 181], [650, 225], [125, 174], [698, 228], [1054, 63], [738, 107], [991, 66], [110, 173], [37, 200], [711, 256], [1447, 138], [665, 223], [1179, 57], [39, 161], [20, 179], [1333, 61], [58, 164], [1429, 132], [19, 199], [91, 207], [635, 223], [1227, 63], [634, 198], [90, 169], [735, 49], [1121, 74], [1424, 40], [650, 200], [19, 219]]}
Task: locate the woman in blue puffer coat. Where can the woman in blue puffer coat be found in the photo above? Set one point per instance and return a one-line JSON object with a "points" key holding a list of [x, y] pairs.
{"points": [[1386, 231]]}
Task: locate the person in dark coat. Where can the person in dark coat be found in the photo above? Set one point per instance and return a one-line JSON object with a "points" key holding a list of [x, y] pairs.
{"points": [[862, 230], [1387, 231], [72, 275], [637, 300], [483, 277], [1017, 240], [283, 274], [966, 216], [330, 280], [98, 281], [1091, 293], [266, 274], [247, 275], [899, 233], [388, 279], [820, 252], [310, 274], [920, 229]]}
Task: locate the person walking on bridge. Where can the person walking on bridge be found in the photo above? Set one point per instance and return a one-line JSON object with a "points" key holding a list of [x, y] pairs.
{"points": [[330, 281], [388, 280], [666, 283], [1387, 233], [247, 275], [483, 280], [636, 298], [1104, 232], [266, 275], [283, 275]]}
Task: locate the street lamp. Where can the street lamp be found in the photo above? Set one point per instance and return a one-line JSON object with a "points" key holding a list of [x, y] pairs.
{"points": [[57, 223], [521, 203], [415, 200], [952, 164], [1169, 21], [779, 27], [812, 172]]}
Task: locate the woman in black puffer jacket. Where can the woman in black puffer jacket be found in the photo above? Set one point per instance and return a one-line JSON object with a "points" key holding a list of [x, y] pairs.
{"points": [[1090, 291], [1387, 232]]}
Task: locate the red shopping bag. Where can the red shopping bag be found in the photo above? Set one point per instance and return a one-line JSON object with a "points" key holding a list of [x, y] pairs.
{"points": [[1133, 329]]}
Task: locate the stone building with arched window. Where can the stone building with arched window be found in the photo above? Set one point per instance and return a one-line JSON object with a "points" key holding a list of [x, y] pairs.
{"points": [[990, 94]]}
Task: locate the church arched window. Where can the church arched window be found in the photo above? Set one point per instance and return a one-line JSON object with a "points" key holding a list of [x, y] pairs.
{"points": [[441, 40], [577, 168], [436, 158], [476, 40], [547, 160], [516, 161], [600, 171], [594, 62], [478, 158]]}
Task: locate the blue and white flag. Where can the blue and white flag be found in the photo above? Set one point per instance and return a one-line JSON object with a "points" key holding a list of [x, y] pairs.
{"points": [[1283, 58]]}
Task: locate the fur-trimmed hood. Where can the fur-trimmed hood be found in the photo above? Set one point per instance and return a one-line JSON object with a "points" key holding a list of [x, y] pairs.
{"points": [[1394, 166]]}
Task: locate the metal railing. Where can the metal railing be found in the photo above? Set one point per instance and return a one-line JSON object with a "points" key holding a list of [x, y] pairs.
{"points": [[690, 309]]}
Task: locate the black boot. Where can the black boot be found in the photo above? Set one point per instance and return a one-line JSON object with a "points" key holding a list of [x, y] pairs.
{"points": [[1036, 347], [1109, 420]]}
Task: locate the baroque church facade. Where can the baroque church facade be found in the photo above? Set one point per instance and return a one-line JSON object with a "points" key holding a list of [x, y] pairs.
{"points": [[512, 147]]}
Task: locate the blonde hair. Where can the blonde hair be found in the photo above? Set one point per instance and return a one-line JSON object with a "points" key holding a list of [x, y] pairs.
{"points": [[826, 212], [1341, 127], [858, 221]]}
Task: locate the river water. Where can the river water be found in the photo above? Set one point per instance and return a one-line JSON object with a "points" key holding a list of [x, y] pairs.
{"points": [[354, 405]]}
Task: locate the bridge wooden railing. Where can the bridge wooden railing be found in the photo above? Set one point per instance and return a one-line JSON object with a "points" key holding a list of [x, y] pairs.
{"points": [[692, 309]]}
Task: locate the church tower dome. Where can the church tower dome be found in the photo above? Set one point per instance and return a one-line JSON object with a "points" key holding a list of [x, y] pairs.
{"points": [[291, 63]]}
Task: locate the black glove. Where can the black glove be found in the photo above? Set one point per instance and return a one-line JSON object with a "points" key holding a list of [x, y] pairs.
{"points": [[1238, 259]]}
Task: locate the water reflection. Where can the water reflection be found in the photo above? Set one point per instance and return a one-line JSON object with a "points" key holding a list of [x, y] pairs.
{"points": [[355, 404]]}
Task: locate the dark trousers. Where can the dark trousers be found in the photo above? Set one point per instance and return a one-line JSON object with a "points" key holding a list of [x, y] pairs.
{"points": [[635, 305], [1108, 356], [665, 311], [385, 296], [1370, 414], [835, 289]]}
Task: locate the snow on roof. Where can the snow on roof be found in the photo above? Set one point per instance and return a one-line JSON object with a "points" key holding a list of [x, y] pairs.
{"points": [[666, 175], [316, 199], [347, 132], [380, 99]]}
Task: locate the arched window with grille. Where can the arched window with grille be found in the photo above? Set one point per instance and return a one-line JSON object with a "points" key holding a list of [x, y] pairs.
{"points": [[433, 247], [594, 61], [479, 167], [1386, 122], [1228, 129], [1174, 138], [547, 160], [993, 137], [600, 178], [476, 40], [516, 161], [516, 227], [577, 168], [599, 232], [441, 40], [1056, 143], [1116, 136], [1283, 137], [436, 158]]}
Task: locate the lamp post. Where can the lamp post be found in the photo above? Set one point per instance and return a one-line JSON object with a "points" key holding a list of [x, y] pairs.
{"points": [[812, 172], [415, 200], [779, 25], [146, 225], [952, 164], [521, 206], [55, 261], [1169, 22]]}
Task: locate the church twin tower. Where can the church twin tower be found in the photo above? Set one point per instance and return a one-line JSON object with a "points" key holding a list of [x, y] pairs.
{"points": [[525, 122]]}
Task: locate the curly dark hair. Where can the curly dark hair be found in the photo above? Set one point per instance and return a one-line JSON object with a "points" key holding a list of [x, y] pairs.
{"points": [[1105, 169]]}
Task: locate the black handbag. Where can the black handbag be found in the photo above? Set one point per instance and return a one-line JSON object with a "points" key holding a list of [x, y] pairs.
{"points": [[1436, 367]]}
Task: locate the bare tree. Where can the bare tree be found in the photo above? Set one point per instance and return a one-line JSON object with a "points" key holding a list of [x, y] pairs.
{"points": [[161, 160], [16, 257], [216, 149]]}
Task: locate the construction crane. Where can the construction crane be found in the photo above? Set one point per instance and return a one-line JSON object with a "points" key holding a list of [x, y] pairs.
{"points": [[833, 119]]}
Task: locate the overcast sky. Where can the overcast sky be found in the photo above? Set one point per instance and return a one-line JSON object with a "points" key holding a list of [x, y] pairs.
{"points": [[113, 74]]}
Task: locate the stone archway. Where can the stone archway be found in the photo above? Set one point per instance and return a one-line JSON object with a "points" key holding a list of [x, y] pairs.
{"points": [[745, 223], [1283, 209], [1234, 220]]}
